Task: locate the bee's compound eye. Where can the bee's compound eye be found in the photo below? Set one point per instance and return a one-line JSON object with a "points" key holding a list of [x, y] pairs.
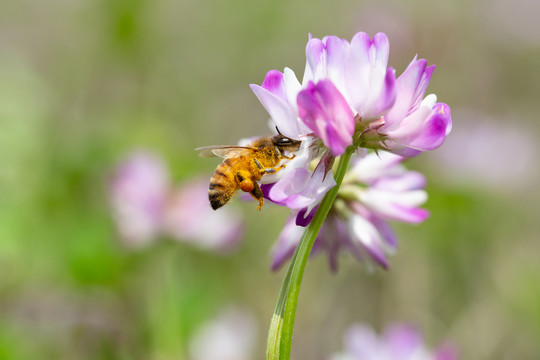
{"points": [[261, 147], [284, 141]]}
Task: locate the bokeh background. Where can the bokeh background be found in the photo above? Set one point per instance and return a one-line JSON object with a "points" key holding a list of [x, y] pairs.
{"points": [[84, 83]]}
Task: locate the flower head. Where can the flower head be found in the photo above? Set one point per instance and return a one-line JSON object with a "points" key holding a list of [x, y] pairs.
{"points": [[145, 206], [399, 342], [189, 218], [138, 192], [375, 190], [348, 96]]}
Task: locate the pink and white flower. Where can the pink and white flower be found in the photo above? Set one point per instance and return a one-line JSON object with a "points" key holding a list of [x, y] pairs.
{"points": [[349, 95], [145, 206], [189, 218], [399, 342], [138, 194], [375, 190]]}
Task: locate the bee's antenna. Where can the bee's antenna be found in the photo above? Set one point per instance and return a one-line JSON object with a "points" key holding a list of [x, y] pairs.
{"points": [[279, 132]]}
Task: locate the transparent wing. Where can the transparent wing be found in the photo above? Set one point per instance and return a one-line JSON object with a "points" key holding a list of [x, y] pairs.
{"points": [[224, 151]]}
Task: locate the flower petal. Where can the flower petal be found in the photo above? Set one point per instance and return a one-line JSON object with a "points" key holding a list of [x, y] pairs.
{"points": [[189, 218], [316, 59], [370, 85], [337, 51], [368, 237], [138, 193], [410, 89], [282, 114], [300, 188], [274, 83], [396, 206], [325, 111], [304, 217], [434, 131]]}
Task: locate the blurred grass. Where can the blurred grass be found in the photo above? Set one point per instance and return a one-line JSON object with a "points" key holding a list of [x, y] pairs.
{"points": [[84, 83]]}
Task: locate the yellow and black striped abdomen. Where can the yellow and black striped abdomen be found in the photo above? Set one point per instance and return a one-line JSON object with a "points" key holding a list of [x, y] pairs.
{"points": [[222, 185]]}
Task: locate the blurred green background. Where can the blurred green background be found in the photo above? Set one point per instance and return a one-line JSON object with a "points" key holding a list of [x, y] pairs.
{"points": [[82, 83]]}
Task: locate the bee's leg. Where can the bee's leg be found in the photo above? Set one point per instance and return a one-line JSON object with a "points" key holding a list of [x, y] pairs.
{"points": [[258, 163], [244, 181], [271, 170], [289, 157], [258, 195]]}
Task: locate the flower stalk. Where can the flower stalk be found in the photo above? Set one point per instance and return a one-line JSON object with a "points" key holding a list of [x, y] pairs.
{"points": [[282, 324]]}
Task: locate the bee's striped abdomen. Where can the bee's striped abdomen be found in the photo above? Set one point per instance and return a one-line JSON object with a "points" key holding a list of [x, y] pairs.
{"points": [[222, 186]]}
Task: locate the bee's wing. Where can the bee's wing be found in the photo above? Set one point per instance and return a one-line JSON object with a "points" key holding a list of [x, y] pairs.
{"points": [[224, 151]]}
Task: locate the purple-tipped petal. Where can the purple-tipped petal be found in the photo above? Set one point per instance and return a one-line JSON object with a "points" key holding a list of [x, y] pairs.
{"points": [[432, 133], [274, 83], [382, 49], [370, 85], [384, 99], [358, 71], [367, 236], [442, 108], [337, 52], [303, 218], [316, 58], [279, 111], [326, 112], [289, 190], [300, 189], [424, 129], [410, 90], [400, 206], [386, 231]]}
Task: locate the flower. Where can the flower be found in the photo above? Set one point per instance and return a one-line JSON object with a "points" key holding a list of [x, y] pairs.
{"points": [[145, 206], [376, 189], [325, 111], [138, 193], [302, 190], [399, 342], [414, 125], [349, 96], [474, 163], [230, 336], [189, 218]]}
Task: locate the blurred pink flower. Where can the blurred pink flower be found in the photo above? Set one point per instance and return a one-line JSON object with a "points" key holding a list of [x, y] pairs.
{"points": [[230, 336], [138, 193], [190, 218], [145, 206], [399, 342], [482, 161]]}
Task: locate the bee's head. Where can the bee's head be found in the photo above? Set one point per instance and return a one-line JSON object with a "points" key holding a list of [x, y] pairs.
{"points": [[284, 143]]}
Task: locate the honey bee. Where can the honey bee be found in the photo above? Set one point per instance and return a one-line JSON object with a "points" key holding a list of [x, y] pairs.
{"points": [[244, 166]]}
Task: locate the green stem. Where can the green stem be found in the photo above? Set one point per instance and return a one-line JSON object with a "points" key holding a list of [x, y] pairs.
{"points": [[282, 324]]}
